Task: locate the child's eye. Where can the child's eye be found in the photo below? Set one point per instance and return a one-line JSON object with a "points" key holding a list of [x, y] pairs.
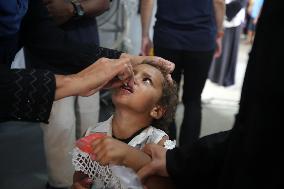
{"points": [[147, 81]]}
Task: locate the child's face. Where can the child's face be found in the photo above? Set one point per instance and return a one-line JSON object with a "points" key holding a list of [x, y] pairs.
{"points": [[146, 92]]}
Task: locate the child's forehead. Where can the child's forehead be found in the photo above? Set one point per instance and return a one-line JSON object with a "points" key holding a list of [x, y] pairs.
{"points": [[146, 67], [149, 70]]}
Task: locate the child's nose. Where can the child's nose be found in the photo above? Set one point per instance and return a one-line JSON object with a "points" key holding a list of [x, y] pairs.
{"points": [[135, 81]]}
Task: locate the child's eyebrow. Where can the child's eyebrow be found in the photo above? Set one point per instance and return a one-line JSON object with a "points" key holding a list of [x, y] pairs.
{"points": [[145, 74]]}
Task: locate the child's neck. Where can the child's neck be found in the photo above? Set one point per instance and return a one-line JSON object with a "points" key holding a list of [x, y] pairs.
{"points": [[125, 123]]}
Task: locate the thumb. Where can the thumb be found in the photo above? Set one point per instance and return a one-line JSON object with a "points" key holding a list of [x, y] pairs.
{"points": [[145, 172], [148, 149], [148, 169]]}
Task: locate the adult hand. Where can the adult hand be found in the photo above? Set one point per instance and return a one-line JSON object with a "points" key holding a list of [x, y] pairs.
{"points": [[146, 46], [158, 61], [164, 64], [218, 50], [158, 164], [60, 10], [108, 150], [103, 73]]}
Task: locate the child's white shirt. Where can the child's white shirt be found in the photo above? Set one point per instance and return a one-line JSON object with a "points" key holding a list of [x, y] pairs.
{"points": [[148, 135]]}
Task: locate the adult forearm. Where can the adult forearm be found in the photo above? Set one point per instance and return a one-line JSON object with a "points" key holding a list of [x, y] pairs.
{"points": [[65, 86], [136, 159], [95, 7], [146, 14], [219, 9]]}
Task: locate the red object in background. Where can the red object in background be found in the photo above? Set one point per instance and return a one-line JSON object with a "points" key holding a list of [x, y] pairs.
{"points": [[85, 143]]}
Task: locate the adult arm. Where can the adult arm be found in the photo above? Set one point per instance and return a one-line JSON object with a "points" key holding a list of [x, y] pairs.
{"points": [[198, 164], [95, 7], [219, 11], [103, 74], [146, 15], [26, 95], [63, 11]]}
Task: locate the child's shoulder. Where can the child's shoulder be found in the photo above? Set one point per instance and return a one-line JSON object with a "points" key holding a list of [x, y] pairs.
{"points": [[156, 134], [149, 135]]}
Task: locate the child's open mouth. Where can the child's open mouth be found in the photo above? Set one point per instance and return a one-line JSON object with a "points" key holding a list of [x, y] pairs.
{"points": [[127, 87]]}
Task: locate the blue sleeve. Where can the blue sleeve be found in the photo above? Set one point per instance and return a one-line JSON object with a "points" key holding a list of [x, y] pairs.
{"points": [[12, 13]]}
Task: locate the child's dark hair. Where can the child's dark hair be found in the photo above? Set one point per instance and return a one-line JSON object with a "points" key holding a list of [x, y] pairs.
{"points": [[168, 101]]}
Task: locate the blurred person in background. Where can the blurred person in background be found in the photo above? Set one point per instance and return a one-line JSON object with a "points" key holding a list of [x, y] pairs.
{"points": [[223, 68], [188, 33], [254, 14]]}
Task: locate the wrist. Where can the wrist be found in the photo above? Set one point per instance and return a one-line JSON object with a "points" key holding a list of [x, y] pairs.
{"points": [[145, 35], [64, 86], [220, 34], [146, 39]]}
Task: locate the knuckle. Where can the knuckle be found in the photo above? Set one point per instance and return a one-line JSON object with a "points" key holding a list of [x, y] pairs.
{"points": [[125, 65], [126, 60], [103, 59]]}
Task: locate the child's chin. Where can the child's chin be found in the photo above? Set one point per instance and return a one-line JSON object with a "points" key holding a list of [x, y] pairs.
{"points": [[119, 100]]}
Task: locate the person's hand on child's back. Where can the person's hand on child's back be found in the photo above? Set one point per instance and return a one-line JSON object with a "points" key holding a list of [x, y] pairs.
{"points": [[157, 166]]}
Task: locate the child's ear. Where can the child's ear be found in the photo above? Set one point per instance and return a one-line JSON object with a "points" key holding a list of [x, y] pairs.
{"points": [[157, 112]]}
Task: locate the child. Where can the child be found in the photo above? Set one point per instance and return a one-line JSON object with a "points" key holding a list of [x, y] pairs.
{"points": [[152, 101]]}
